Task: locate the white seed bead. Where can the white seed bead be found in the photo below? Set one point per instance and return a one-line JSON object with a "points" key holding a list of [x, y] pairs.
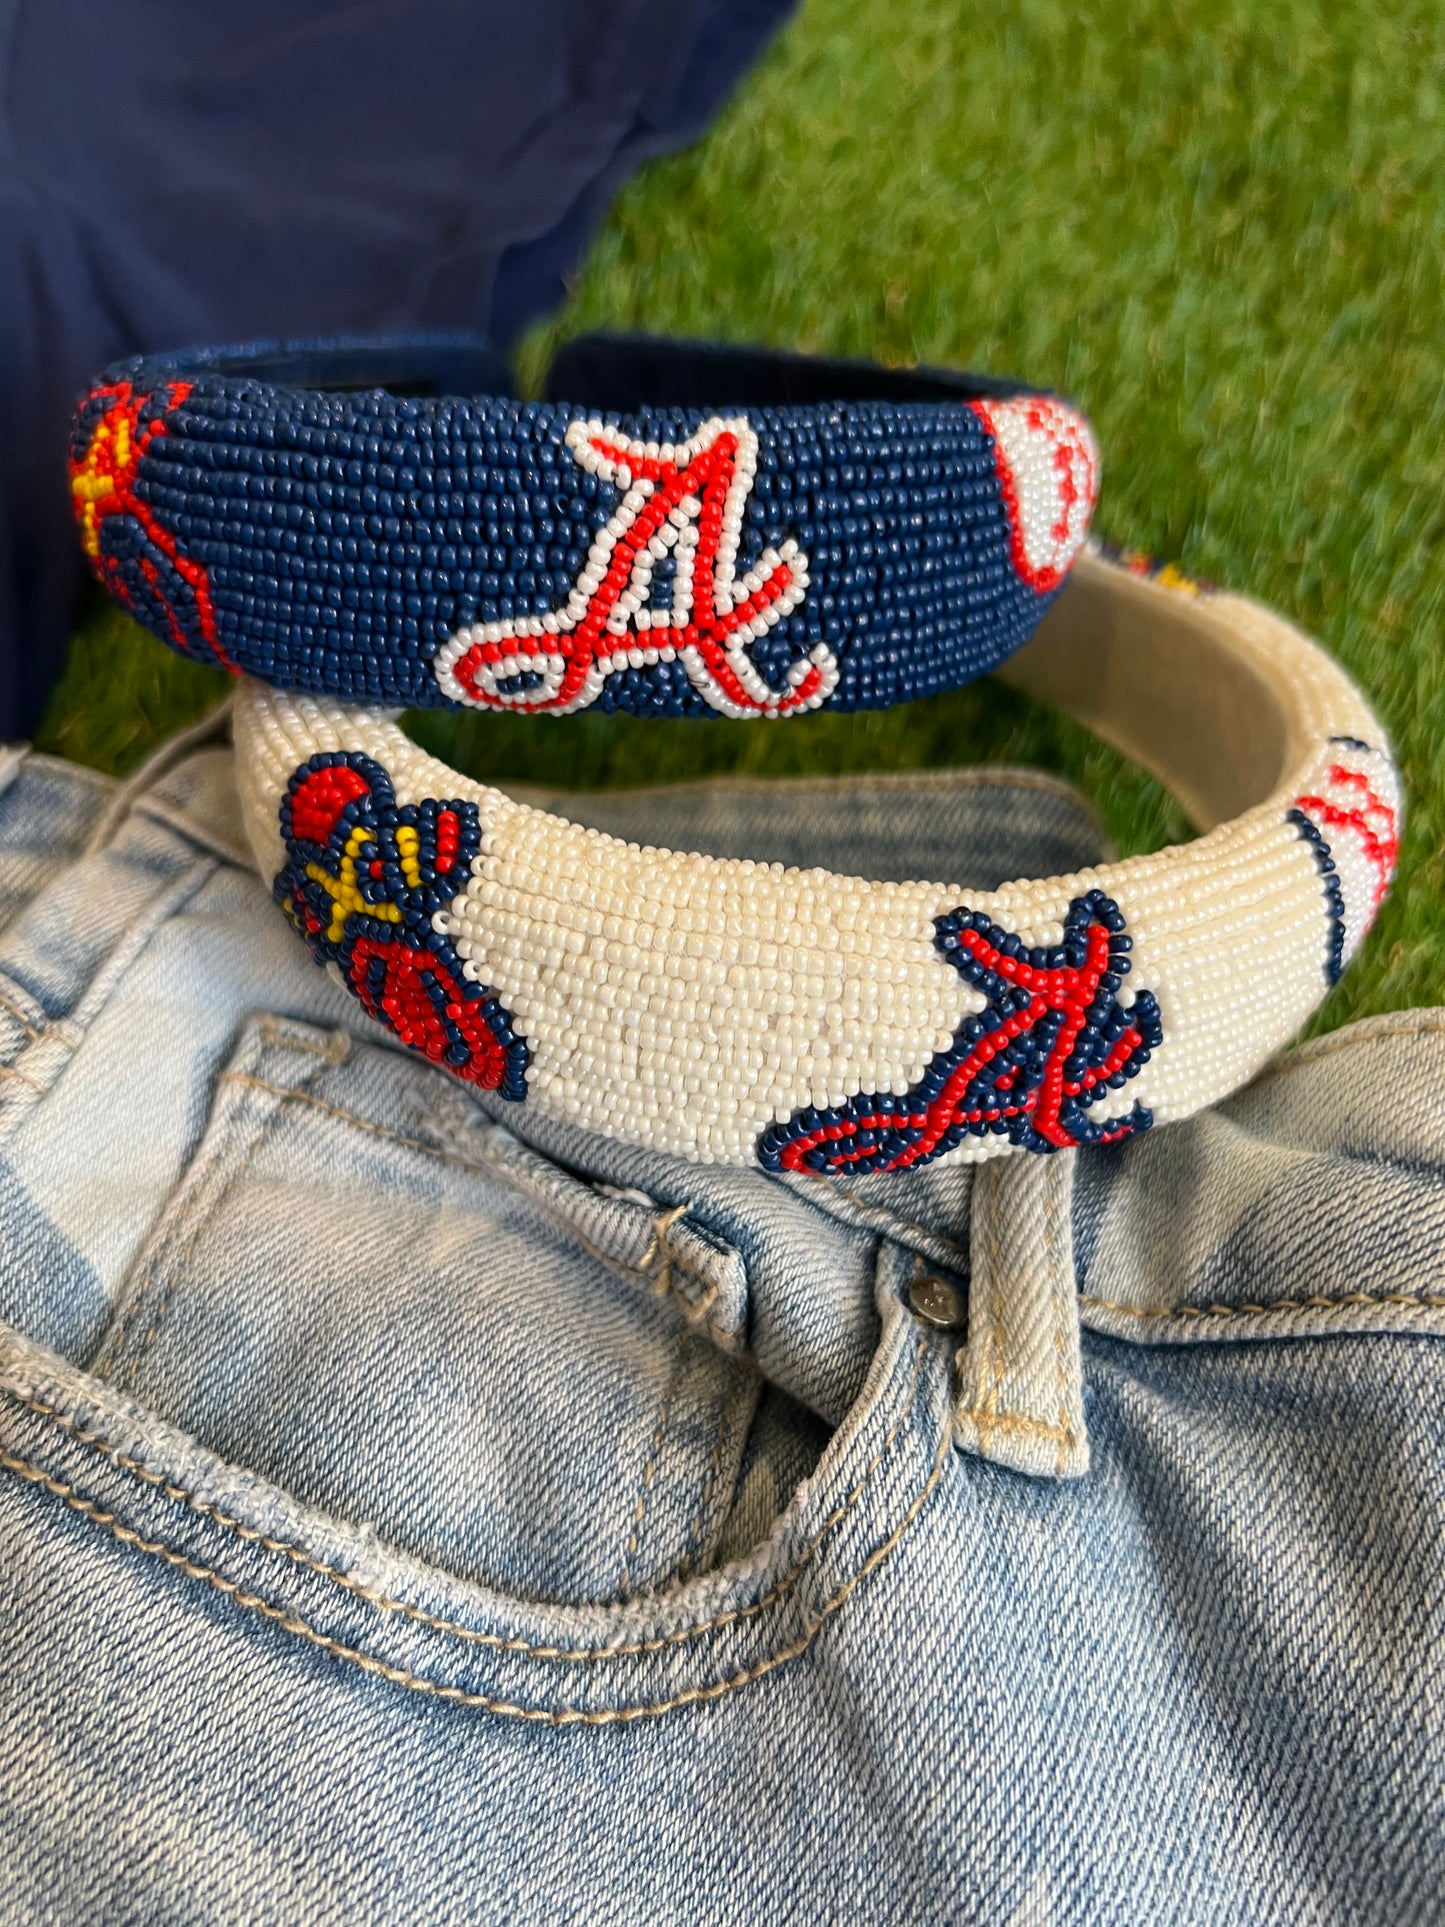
{"points": [[686, 1003]]}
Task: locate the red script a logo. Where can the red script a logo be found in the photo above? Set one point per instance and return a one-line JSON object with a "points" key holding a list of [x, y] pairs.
{"points": [[685, 501]]}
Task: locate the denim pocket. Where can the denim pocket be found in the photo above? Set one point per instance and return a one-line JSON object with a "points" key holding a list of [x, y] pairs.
{"points": [[416, 1403], [171, 1542], [390, 1307]]}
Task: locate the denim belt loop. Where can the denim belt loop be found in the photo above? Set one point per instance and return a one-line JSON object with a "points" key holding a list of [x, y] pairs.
{"points": [[1021, 1393]]}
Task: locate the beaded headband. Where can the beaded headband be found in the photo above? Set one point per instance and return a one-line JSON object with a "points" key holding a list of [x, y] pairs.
{"points": [[737, 1013], [751, 536]]}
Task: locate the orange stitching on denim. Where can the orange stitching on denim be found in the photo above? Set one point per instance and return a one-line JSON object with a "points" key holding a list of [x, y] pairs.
{"points": [[1018, 1422], [661, 1225], [295, 1095], [400, 1676], [9, 1003], [1348, 1301], [1348, 1039], [279, 1033], [660, 1254], [9, 1070], [450, 1627]]}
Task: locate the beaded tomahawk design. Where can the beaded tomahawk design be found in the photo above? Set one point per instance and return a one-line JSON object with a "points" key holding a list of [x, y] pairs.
{"points": [[363, 883], [730, 1012], [1051, 1042]]}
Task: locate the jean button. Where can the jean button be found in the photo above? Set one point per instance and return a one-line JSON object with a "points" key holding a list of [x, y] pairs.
{"points": [[935, 1302]]}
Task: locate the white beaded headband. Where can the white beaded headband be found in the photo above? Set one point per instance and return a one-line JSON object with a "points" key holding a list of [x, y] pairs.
{"points": [[738, 1013]]}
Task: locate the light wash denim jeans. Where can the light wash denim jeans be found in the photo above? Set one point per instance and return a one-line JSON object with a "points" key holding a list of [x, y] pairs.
{"points": [[413, 1510]]}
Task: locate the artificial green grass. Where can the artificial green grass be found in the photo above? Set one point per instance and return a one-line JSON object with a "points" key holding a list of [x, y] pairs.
{"points": [[1220, 227]]}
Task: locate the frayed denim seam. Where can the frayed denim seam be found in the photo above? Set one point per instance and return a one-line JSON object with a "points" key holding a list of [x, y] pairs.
{"points": [[495, 1641], [400, 1676]]}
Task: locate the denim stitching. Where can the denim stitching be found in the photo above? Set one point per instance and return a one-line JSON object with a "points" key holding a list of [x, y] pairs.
{"points": [[8, 1003], [1016, 1422], [198, 1213], [985, 1415], [862, 1213], [1056, 1309], [335, 1050], [1413, 1300], [661, 1225], [492, 1168], [995, 1347], [742, 1385], [661, 1254], [401, 1676], [650, 1469], [497, 1641], [1341, 1040]]}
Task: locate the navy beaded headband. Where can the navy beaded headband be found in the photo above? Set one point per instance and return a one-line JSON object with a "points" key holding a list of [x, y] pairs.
{"points": [[694, 531]]}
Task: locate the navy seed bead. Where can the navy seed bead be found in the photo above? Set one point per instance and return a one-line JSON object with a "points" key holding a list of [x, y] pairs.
{"points": [[265, 491], [1335, 931], [1007, 1091]]}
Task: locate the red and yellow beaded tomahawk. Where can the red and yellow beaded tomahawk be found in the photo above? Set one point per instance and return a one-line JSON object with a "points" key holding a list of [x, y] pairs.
{"points": [[118, 530], [363, 883]]}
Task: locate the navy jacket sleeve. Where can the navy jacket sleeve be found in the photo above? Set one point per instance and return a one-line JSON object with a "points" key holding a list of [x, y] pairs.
{"points": [[173, 172]]}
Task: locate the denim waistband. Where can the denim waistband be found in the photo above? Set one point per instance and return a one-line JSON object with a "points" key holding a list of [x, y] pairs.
{"points": [[155, 948]]}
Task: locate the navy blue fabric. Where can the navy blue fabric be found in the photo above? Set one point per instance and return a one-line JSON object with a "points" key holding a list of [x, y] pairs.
{"points": [[173, 171], [333, 540]]}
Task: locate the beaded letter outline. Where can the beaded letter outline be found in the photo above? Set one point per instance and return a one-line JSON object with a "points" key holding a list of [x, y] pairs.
{"points": [[129, 551], [688, 501], [363, 882], [1052, 1040]]}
